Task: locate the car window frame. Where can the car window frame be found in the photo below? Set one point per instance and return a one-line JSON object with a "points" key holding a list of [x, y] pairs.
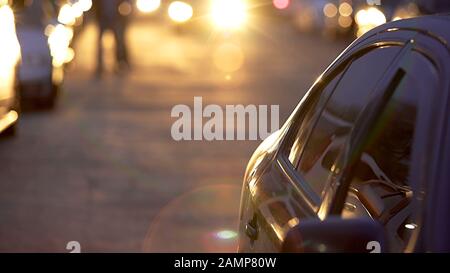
{"points": [[315, 92], [428, 133], [316, 100], [338, 203], [359, 131], [425, 137]]}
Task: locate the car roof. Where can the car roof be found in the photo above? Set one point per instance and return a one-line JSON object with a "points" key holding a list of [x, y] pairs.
{"points": [[436, 26], [433, 25]]}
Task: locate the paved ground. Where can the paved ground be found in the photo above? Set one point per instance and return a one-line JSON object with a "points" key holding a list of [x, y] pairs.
{"points": [[102, 169]]}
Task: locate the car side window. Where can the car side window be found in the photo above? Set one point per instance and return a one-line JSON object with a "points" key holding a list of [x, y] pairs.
{"points": [[380, 185], [317, 162], [306, 122]]}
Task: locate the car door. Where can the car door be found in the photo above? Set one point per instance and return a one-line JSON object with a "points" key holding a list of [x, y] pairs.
{"points": [[377, 170], [432, 140], [291, 188]]}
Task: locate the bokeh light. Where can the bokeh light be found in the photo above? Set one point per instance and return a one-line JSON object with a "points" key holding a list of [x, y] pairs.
{"points": [[125, 8], [281, 4], [345, 21], [330, 10], [197, 221], [9, 45], [228, 57], [180, 11], [345, 9], [59, 40], [229, 14], [67, 15], [85, 5], [147, 6], [226, 234], [368, 19], [411, 226], [410, 11]]}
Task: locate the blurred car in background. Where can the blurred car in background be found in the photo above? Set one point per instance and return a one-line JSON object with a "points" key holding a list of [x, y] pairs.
{"points": [[36, 83], [200, 15], [370, 16], [177, 13], [35, 77], [406, 11], [213, 15], [336, 18], [362, 163], [332, 18], [45, 32], [9, 60]]}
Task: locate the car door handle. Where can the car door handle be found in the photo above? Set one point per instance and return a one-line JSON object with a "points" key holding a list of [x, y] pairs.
{"points": [[251, 229]]}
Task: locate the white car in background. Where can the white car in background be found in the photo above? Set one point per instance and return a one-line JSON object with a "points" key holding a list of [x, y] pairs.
{"points": [[39, 82], [36, 83]]}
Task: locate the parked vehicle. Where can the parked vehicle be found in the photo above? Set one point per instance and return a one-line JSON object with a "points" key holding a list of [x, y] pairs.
{"points": [[9, 59], [332, 18], [371, 16], [36, 70], [39, 80], [363, 162]]}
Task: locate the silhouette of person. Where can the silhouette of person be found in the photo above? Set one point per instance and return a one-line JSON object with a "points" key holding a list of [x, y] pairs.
{"points": [[35, 13], [109, 18]]}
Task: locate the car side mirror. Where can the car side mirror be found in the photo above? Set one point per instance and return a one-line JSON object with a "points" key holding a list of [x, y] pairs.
{"points": [[358, 235]]}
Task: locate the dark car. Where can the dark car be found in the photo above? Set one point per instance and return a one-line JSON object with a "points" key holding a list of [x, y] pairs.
{"points": [[363, 162]]}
